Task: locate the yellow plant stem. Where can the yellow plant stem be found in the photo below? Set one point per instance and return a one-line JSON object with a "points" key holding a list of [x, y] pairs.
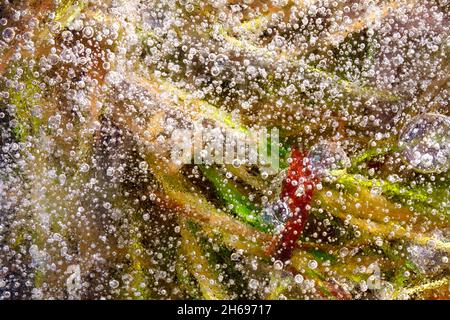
{"points": [[388, 230], [200, 268]]}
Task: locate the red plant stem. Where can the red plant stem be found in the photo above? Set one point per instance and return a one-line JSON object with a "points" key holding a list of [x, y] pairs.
{"points": [[299, 175]]}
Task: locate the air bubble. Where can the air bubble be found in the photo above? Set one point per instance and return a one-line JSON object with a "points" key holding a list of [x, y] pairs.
{"points": [[84, 167], [312, 264], [88, 32], [8, 34], [114, 284], [278, 265], [143, 165], [298, 278], [236, 163]]}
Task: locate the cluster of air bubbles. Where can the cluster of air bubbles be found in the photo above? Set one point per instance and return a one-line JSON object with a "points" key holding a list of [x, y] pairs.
{"points": [[327, 156], [276, 214], [91, 205], [427, 258], [425, 143]]}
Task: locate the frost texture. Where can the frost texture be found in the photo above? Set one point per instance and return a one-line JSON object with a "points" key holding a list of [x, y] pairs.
{"points": [[351, 95]]}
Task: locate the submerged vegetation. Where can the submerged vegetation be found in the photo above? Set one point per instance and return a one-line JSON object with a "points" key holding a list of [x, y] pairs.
{"points": [[349, 201]]}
